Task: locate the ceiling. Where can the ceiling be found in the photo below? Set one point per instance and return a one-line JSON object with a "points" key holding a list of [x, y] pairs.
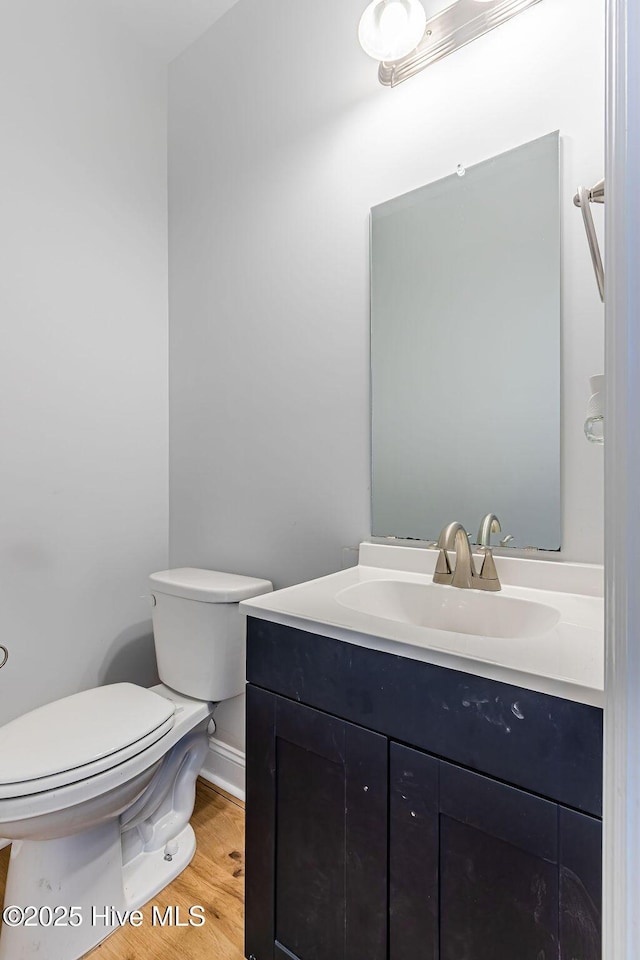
{"points": [[169, 26]]}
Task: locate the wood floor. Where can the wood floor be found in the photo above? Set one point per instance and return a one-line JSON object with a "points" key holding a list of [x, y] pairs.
{"points": [[214, 880]]}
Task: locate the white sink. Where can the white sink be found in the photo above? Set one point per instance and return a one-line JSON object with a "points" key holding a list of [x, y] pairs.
{"points": [[544, 630], [451, 609]]}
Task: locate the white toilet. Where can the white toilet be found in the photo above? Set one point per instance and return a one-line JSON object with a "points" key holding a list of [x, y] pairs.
{"points": [[97, 790]]}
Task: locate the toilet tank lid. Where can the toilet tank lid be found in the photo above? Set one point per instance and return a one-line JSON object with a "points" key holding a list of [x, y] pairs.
{"points": [[209, 586]]}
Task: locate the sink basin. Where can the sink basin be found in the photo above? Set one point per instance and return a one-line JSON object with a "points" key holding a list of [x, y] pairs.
{"points": [[450, 609], [543, 631]]}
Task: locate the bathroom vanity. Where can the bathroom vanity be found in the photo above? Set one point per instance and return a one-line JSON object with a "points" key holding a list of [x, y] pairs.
{"points": [[409, 796]]}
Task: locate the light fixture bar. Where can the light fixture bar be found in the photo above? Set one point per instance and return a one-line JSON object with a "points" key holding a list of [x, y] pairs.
{"points": [[449, 30]]}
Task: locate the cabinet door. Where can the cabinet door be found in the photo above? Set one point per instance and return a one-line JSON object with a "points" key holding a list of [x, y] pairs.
{"points": [[580, 886], [473, 865], [316, 863], [498, 870]]}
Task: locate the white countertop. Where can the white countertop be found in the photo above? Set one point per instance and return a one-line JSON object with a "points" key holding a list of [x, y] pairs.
{"points": [[566, 661]]}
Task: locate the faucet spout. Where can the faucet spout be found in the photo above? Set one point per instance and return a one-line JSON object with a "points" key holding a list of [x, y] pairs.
{"points": [[488, 525]]}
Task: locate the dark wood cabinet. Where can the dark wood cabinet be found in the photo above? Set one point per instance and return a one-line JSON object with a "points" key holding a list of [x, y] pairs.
{"points": [[360, 847], [580, 886], [316, 835], [474, 869]]}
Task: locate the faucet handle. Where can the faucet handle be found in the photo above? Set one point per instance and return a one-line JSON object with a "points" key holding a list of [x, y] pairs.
{"points": [[488, 579]]}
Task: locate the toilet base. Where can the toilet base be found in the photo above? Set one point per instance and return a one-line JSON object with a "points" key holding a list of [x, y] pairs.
{"points": [[94, 885], [92, 872], [149, 873]]}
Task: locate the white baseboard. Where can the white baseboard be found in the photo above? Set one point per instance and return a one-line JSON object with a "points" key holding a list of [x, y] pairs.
{"points": [[4, 843], [224, 766]]}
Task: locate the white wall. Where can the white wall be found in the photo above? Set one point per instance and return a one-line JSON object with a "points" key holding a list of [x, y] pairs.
{"points": [[83, 350], [280, 141]]}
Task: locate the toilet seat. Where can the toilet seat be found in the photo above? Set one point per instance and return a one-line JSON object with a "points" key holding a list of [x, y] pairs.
{"points": [[18, 809], [79, 737]]}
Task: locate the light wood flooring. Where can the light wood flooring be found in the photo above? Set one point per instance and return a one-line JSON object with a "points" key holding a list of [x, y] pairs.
{"points": [[214, 879]]}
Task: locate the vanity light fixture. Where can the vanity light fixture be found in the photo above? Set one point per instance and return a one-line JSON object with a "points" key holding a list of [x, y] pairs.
{"points": [[390, 29], [406, 38]]}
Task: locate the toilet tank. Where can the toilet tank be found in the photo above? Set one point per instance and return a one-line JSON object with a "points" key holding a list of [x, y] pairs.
{"points": [[199, 632]]}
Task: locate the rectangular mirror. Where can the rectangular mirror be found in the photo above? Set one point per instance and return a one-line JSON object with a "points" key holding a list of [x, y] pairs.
{"points": [[465, 352]]}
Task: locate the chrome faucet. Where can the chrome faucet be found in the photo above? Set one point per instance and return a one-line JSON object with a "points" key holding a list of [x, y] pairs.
{"points": [[455, 537], [488, 525]]}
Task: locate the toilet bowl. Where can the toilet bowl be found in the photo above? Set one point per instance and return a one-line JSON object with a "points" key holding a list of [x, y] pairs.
{"points": [[97, 790]]}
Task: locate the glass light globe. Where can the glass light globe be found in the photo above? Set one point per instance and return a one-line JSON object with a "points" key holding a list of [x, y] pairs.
{"points": [[390, 29]]}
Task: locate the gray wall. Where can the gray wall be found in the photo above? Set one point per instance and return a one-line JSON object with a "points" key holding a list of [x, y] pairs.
{"points": [[83, 360], [269, 405], [280, 141]]}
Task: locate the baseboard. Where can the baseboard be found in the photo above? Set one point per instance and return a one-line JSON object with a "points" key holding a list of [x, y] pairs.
{"points": [[224, 766], [4, 843]]}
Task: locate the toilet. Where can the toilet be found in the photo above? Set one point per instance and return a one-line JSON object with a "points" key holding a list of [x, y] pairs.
{"points": [[97, 789]]}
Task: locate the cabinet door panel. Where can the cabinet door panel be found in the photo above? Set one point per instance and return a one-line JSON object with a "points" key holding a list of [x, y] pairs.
{"points": [[580, 886], [413, 854], [310, 891], [498, 871], [324, 785], [497, 902], [310, 853]]}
